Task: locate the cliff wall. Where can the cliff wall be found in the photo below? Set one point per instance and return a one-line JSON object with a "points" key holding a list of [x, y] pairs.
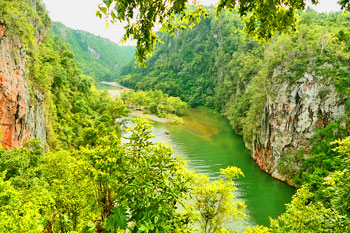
{"points": [[290, 116], [21, 110]]}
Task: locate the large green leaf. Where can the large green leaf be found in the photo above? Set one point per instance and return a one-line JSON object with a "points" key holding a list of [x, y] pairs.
{"points": [[117, 219]]}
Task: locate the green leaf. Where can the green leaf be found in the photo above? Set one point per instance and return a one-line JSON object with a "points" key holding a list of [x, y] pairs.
{"points": [[117, 219], [108, 2], [113, 16], [103, 9], [98, 14]]}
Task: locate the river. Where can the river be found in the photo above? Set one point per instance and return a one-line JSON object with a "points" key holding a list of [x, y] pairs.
{"points": [[207, 142]]}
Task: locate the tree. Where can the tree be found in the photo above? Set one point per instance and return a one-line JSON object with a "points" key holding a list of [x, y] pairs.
{"points": [[263, 18], [139, 185], [323, 210], [16, 213], [214, 203]]}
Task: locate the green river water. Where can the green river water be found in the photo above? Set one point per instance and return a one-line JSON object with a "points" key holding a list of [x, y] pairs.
{"points": [[207, 142]]}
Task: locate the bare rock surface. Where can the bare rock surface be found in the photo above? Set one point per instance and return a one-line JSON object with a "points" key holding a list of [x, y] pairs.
{"points": [[22, 116], [290, 116]]}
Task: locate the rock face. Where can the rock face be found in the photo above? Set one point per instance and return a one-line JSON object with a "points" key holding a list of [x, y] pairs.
{"points": [[22, 116], [93, 52], [290, 116]]}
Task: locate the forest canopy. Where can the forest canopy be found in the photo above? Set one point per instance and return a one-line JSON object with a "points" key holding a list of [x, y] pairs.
{"points": [[262, 18], [91, 182]]}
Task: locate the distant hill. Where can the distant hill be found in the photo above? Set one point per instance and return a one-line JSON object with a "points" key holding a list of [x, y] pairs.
{"points": [[97, 56]]}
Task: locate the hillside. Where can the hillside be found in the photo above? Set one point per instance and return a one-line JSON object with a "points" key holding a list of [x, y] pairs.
{"points": [[62, 165], [275, 94], [68, 163], [289, 98], [97, 57]]}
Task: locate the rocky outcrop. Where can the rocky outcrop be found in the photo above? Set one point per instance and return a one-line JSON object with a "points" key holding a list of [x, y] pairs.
{"points": [[93, 53], [290, 116], [21, 111]]}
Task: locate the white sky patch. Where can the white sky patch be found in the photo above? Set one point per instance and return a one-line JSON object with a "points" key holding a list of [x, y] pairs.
{"points": [[80, 14], [326, 6]]}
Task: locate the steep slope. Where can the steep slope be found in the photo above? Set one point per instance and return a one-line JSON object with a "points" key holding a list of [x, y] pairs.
{"points": [[97, 57], [194, 63], [21, 105], [21, 117], [276, 94], [43, 93], [306, 89]]}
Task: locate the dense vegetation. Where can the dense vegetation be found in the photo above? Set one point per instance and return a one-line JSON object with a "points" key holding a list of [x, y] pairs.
{"points": [[188, 65], [74, 110], [262, 18], [89, 181], [324, 208], [156, 102], [216, 65], [97, 57]]}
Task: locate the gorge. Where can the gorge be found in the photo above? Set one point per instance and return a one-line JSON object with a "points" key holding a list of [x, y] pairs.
{"points": [[288, 98], [277, 94]]}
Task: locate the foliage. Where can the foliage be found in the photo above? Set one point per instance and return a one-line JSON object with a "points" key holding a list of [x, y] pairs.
{"points": [[39, 185], [140, 23], [214, 203], [305, 215], [25, 23], [88, 180], [156, 102], [257, 229], [262, 18], [324, 159], [97, 57], [76, 110], [321, 209], [217, 66], [17, 214], [156, 183], [24, 20], [185, 66], [138, 186]]}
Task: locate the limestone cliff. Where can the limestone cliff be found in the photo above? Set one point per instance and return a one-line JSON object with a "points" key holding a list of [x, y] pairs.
{"points": [[21, 111], [290, 116]]}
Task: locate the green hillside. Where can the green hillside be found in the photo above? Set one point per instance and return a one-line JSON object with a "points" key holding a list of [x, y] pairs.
{"points": [[95, 174], [256, 86], [218, 66], [97, 57]]}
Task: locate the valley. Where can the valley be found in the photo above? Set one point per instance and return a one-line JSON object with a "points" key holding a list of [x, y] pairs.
{"points": [[247, 124]]}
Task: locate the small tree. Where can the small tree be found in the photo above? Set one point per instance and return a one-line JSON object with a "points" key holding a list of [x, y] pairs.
{"points": [[139, 185], [214, 202]]}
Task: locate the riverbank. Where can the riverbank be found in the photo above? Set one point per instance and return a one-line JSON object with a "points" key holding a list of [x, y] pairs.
{"points": [[118, 90], [114, 89], [150, 117]]}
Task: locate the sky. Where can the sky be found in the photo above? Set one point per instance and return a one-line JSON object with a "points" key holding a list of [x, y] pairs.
{"points": [[80, 14]]}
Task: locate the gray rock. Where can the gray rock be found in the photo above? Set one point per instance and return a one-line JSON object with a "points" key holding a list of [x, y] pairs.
{"points": [[290, 118]]}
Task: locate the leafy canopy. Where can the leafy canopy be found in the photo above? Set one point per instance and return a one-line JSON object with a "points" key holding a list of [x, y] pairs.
{"points": [[262, 18]]}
